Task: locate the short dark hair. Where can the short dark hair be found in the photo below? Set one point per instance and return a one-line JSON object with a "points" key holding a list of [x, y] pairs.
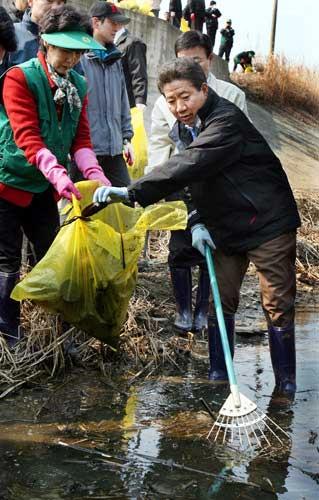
{"points": [[184, 68], [65, 18], [7, 32], [191, 39]]}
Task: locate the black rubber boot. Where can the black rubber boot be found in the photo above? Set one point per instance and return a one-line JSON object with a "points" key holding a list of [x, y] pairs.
{"points": [[9, 309], [218, 370], [283, 357], [202, 300], [182, 287]]}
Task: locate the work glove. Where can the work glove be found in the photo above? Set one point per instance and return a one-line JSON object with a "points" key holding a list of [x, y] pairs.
{"points": [[141, 106], [172, 14], [201, 237], [56, 174], [87, 164], [110, 195], [128, 152]]}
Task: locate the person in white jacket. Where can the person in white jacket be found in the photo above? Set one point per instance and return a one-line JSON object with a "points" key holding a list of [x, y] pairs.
{"points": [[182, 256]]}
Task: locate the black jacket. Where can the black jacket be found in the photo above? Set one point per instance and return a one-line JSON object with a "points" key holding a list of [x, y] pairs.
{"points": [[196, 7], [212, 15], [135, 67], [176, 6], [238, 187]]}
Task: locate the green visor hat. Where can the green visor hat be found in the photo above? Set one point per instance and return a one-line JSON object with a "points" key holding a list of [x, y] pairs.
{"points": [[74, 40]]}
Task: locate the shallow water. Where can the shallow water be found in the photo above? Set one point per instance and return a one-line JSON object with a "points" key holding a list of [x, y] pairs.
{"points": [[155, 434]]}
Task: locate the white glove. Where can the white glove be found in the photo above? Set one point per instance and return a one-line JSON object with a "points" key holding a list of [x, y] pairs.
{"points": [[172, 14], [141, 106], [110, 194], [200, 238], [128, 152]]}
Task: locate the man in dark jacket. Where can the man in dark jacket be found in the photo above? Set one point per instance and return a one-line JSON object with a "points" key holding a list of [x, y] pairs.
{"points": [[134, 65], [227, 40], [244, 59], [212, 15], [175, 12], [194, 13], [27, 31], [8, 41], [240, 201]]}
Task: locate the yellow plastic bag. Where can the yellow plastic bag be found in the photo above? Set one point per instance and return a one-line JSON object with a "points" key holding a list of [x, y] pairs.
{"points": [[139, 143], [89, 273], [184, 25]]}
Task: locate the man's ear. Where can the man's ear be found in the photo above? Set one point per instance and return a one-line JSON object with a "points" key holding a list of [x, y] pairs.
{"points": [[205, 88], [210, 57], [95, 22]]}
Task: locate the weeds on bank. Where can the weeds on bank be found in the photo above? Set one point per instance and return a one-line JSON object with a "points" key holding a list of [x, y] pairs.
{"points": [[281, 83]]}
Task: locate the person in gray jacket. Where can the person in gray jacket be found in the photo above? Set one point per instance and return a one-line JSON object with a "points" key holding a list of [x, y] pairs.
{"points": [[108, 110]]}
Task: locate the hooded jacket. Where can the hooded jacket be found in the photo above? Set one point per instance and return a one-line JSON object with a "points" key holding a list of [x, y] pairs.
{"points": [[238, 187], [108, 110]]}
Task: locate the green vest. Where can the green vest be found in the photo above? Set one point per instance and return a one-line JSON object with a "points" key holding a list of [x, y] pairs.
{"points": [[57, 135]]}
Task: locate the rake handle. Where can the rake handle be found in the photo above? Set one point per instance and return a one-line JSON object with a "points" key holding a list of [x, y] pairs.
{"points": [[222, 327]]}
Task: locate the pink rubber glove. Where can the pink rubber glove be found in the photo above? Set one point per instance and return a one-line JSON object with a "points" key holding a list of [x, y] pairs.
{"points": [[87, 164], [56, 174]]}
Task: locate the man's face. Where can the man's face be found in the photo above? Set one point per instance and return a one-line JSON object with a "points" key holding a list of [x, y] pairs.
{"points": [[40, 8], [104, 31], [184, 100], [199, 56]]}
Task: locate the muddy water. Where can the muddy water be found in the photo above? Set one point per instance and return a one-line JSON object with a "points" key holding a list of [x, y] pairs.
{"points": [[153, 433]]}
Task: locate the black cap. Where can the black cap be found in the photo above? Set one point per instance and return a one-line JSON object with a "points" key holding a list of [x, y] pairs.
{"points": [[108, 9]]}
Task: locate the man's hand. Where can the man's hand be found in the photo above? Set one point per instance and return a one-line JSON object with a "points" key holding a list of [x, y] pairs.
{"points": [[128, 152], [110, 195], [200, 238]]}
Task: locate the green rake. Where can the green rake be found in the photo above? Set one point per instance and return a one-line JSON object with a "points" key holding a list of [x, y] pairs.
{"points": [[239, 420]]}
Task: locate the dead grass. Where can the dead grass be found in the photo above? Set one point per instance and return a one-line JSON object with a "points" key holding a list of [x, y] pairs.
{"points": [[285, 85]]}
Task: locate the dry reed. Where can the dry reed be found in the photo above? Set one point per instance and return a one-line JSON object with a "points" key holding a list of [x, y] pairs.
{"points": [[281, 83]]}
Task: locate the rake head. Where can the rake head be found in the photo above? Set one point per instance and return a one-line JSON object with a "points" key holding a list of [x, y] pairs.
{"points": [[245, 425]]}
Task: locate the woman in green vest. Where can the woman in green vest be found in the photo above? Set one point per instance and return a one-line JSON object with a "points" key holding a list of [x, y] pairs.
{"points": [[43, 123]]}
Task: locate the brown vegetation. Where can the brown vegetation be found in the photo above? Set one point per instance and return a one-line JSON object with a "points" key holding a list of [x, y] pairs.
{"points": [[278, 82]]}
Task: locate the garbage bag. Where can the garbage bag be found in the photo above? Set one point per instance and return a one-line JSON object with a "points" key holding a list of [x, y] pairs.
{"points": [[139, 143], [184, 25], [89, 273]]}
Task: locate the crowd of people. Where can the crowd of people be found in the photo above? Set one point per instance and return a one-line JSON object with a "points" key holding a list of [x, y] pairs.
{"points": [[69, 80]]}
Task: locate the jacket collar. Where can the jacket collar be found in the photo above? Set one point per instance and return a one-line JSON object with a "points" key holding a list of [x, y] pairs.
{"points": [[29, 24], [122, 36], [210, 104], [108, 56]]}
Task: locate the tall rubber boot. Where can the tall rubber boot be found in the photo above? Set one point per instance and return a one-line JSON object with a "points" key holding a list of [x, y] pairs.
{"points": [[9, 309], [182, 287], [283, 357], [202, 300], [218, 370]]}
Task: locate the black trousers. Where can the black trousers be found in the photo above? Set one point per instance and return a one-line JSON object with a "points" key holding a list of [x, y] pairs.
{"points": [[39, 222], [211, 32], [115, 169], [181, 251], [225, 49]]}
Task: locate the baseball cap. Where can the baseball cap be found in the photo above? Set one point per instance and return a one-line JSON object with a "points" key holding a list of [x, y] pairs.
{"points": [[229, 21], [109, 10], [74, 40]]}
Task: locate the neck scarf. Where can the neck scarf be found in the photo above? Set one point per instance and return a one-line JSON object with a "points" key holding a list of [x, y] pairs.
{"points": [[66, 90]]}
